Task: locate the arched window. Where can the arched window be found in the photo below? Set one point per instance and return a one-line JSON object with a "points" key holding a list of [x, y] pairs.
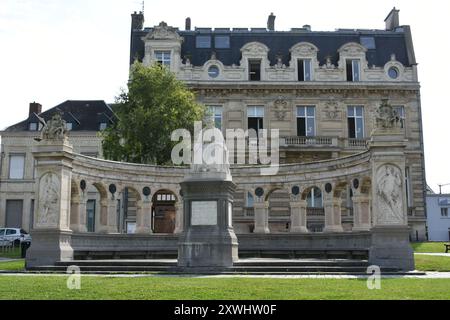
{"points": [[314, 198]]}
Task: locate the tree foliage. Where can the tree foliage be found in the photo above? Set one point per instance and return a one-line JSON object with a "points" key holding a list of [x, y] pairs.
{"points": [[156, 104]]}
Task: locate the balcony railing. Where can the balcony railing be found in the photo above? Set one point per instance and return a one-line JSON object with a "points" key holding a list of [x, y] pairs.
{"points": [[357, 143], [315, 212], [310, 141]]}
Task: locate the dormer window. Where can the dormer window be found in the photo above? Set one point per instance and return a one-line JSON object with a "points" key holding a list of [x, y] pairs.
{"points": [[304, 70], [203, 42], [254, 70], [353, 70], [103, 126], [33, 126], [69, 126], [163, 58]]}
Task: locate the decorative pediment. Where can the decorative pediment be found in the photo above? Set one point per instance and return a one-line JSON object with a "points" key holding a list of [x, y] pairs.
{"points": [[255, 48], [163, 32], [352, 48], [304, 49]]}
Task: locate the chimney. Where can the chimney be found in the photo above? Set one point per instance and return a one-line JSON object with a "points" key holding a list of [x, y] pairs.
{"points": [[307, 27], [393, 19], [187, 25], [34, 108], [137, 21], [271, 22]]}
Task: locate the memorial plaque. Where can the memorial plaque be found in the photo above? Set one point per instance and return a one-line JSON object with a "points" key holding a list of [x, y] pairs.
{"points": [[204, 213]]}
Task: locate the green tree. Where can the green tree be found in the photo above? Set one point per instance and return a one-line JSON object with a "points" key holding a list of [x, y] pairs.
{"points": [[156, 104]]}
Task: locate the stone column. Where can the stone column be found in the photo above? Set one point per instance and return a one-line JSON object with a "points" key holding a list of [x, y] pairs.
{"points": [[390, 232], [361, 212], [75, 214], [51, 230], [144, 217], [261, 209], [112, 216], [332, 208], [298, 216], [179, 217], [103, 227]]}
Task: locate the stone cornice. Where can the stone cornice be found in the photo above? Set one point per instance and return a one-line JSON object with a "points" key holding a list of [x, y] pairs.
{"points": [[300, 89]]}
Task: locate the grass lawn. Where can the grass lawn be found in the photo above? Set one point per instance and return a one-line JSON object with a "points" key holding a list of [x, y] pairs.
{"points": [[13, 253], [181, 288], [432, 263], [429, 247]]}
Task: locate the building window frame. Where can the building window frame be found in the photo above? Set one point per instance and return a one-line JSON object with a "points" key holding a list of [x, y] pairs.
{"points": [[255, 112], [304, 69], [163, 57], [216, 115], [203, 42], [307, 115], [254, 69], [444, 212], [358, 122], [400, 109], [353, 70], [17, 176]]}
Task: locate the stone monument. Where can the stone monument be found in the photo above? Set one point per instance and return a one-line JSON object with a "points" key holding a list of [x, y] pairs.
{"points": [[390, 232], [208, 239], [51, 225]]}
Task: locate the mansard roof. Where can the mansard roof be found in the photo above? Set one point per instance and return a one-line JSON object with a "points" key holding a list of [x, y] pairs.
{"points": [[85, 115], [279, 43]]}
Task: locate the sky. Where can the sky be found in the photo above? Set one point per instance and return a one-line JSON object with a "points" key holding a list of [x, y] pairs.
{"points": [[56, 50]]}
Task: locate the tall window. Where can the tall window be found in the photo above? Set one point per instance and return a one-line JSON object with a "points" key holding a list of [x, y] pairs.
{"points": [[249, 201], [304, 70], [314, 199], [163, 57], [306, 123], [254, 70], [16, 166], [444, 212], [355, 120], [90, 215], [353, 70], [216, 116], [401, 113], [255, 116]]}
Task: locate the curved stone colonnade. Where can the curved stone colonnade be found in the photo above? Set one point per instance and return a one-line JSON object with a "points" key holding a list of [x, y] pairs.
{"points": [[376, 178], [332, 176]]}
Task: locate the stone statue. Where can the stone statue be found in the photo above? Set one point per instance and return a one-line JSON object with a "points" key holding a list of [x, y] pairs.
{"points": [[389, 194], [386, 117], [48, 200], [54, 129]]}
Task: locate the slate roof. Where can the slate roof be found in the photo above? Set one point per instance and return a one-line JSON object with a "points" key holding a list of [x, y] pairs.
{"points": [[279, 43], [85, 115]]}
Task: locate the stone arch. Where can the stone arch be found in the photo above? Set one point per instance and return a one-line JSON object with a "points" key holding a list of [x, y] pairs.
{"points": [[255, 47], [279, 210], [339, 188], [164, 210], [352, 48], [366, 185], [303, 49], [315, 217]]}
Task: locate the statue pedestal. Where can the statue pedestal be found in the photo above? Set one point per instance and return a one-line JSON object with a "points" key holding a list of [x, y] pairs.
{"points": [[208, 239], [391, 248]]}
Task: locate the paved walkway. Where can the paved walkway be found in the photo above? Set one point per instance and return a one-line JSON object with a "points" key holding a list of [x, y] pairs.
{"points": [[434, 254]]}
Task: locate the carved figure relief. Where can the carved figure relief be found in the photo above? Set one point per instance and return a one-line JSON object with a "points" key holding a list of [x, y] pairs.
{"points": [[332, 111], [280, 108], [163, 32], [48, 210], [389, 195], [386, 117]]}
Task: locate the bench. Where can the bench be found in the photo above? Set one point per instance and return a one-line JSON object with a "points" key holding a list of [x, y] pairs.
{"points": [[447, 247]]}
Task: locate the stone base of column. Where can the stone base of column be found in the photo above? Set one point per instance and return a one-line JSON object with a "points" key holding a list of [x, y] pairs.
{"points": [[391, 248], [78, 228], [301, 229], [49, 246], [144, 230], [205, 250], [363, 227], [261, 230], [333, 229]]}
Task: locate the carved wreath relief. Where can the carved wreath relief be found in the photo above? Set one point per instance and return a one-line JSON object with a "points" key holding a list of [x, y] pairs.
{"points": [[389, 193], [48, 211]]}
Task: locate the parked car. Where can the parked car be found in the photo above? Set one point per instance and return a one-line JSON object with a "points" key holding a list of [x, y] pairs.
{"points": [[14, 235]]}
